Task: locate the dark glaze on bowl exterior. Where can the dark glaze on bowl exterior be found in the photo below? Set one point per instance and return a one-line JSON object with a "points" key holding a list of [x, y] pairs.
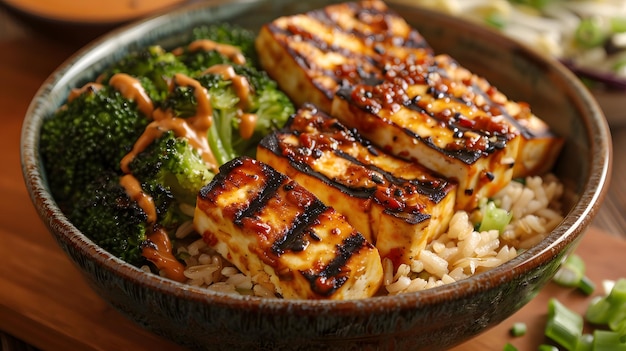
{"points": [[432, 319]]}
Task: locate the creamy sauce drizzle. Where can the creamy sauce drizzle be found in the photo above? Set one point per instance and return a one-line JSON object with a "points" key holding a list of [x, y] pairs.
{"points": [[74, 93], [161, 255], [131, 89], [247, 121], [230, 51], [194, 128], [134, 191]]}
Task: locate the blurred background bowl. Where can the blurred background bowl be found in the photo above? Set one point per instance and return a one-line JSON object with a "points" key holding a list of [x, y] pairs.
{"points": [[433, 319], [82, 21]]}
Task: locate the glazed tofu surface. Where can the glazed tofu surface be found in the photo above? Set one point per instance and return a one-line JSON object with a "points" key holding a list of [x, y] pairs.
{"points": [[312, 54], [364, 65], [397, 204], [265, 223]]}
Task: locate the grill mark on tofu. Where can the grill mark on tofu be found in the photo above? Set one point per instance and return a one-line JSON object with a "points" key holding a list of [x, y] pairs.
{"points": [[255, 204], [336, 45], [434, 192], [326, 281], [294, 238], [458, 135], [525, 132], [264, 222], [394, 203]]}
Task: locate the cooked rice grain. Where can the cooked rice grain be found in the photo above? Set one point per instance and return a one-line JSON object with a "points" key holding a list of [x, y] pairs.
{"points": [[462, 251]]}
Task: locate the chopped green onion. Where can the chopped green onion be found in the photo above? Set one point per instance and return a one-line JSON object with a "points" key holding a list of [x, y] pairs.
{"points": [[572, 274], [518, 329], [509, 347], [618, 24], [546, 347], [538, 4], [564, 326], [590, 32], [495, 20], [494, 218], [586, 286], [609, 309], [606, 340], [571, 271], [585, 343]]}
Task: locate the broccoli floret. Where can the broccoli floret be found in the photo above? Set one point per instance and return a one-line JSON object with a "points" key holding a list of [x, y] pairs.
{"points": [[169, 170], [171, 165], [271, 107], [112, 220], [226, 33], [153, 66], [87, 136]]}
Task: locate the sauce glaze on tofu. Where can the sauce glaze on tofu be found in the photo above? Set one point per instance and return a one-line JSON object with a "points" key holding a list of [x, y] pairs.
{"points": [[266, 224], [397, 204], [364, 65]]}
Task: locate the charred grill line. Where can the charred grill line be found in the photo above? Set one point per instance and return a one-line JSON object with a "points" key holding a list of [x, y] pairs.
{"points": [[333, 276], [433, 192], [464, 155], [274, 181], [220, 177], [523, 131], [295, 238], [272, 143], [459, 130]]}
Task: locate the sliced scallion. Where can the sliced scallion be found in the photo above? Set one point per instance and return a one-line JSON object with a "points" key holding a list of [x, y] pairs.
{"points": [[572, 274], [609, 309], [590, 32], [564, 326], [518, 329], [606, 340], [586, 286], [494, 218]]}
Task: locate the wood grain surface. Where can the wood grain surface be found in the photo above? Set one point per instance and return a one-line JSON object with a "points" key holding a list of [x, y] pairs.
{"points": [[45, 303]]}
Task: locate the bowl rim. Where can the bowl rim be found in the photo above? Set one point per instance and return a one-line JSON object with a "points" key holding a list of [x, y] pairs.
{"points": [[570, 229]]}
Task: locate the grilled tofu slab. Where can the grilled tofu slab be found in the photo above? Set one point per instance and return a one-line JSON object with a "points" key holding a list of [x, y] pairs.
{"points": [[311, 54], [538, 148], [363, 64], [397, 204], [265, 223]]}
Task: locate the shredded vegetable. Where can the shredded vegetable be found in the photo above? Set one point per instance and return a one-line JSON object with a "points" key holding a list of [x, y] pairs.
{"points": [[589, 34]]}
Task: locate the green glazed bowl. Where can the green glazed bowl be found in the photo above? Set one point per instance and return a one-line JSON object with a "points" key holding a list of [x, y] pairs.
{"points": [[433, 319]]}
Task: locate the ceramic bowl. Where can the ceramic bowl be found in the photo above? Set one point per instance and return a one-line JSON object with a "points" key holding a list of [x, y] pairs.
{"points": [[433, 319]]}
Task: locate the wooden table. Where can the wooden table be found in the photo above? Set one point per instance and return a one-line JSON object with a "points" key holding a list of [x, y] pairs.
{"points": [[39, 311]]}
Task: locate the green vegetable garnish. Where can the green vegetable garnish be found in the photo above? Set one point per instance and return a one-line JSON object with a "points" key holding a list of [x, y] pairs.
{"points": [[610, 309], [590, 32], [518, 329], [494, 218], [564, 326], [572, 274]]}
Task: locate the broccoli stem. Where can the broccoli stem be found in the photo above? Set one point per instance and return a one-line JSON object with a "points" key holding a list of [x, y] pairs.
{"points": [[222, 155]]}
